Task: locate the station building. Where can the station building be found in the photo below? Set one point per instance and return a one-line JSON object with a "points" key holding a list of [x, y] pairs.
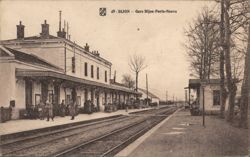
{"points": [[147, 94], [47, 67], [205, 92]]}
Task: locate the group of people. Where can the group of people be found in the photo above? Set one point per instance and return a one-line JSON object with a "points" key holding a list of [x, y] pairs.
{"points": [[47, 110]]}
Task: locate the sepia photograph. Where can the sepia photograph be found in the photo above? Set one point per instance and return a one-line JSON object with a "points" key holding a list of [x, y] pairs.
{"points": [[131, 78]]}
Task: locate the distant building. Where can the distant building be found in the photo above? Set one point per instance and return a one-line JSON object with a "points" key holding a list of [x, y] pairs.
{"points": [[153, 98], [46, 67], [210, 97]]}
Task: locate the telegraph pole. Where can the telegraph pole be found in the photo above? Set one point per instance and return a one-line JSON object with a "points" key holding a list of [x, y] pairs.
{"points": [[185, 97], [68, 36], [166, 97], [147, 87], [60, 17], [173, 99]]}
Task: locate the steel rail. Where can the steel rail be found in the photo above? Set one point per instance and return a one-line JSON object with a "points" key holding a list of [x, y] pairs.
{"points": [[129, 140], [63, 153], [75, 148], [62, 131], [58, 131]]}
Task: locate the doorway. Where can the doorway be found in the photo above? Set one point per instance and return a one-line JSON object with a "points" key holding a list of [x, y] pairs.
{"points": [[28, 93]]}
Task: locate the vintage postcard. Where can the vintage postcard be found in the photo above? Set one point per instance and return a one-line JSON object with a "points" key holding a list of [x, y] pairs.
{"points": [[143, 78]]}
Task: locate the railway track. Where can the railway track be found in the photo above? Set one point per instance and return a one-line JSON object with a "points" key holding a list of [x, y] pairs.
{"points": [[14, 147], [25, 134], [63, 142], [112, 142], [152, 111]]}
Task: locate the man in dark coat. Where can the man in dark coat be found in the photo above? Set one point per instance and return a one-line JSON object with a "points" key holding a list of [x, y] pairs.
{"points": [[49, 110], [41, 106], [72, 109], [62, 108]]}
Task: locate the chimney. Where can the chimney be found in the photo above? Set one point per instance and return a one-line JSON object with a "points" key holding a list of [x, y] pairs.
{"points": [[45, 29], [86, 47], [61, 32], [97, 54], [67, 31], [20, 30], [60, 20], [114, 76], [64, 24]]}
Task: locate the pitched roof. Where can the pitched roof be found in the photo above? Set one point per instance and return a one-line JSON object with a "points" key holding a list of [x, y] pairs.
{"points": [[195, 83], [40, 37], [36, 37], [4, 52], [117, 83], [149, 93], [27, 58]]}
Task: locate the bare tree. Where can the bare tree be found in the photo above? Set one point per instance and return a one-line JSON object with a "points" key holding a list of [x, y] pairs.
{"points": [[245, 88], [223, 91], [137, 64], [225, 39], [235, 17], [203, 45], [128, 81], [230, 85]]}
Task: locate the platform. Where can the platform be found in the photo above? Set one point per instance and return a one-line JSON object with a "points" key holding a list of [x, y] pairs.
{"points": [[183, 135], [14, 126]]}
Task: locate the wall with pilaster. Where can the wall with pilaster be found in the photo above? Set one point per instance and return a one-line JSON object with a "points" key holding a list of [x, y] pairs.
{"points": [[53, 52], [7, 83], [80, 92], [36, 89], [20, 94], [101, 99], [80, 59], [62, 94], [208, 93]]}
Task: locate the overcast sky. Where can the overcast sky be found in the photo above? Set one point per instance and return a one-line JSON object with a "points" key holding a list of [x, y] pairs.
{"points": [[157, 36]]}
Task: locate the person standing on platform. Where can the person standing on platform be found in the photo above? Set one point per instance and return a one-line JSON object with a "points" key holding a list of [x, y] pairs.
{"points": [[32, 112], [49, 110], [72, 109], [62, 108], [41, 110]]}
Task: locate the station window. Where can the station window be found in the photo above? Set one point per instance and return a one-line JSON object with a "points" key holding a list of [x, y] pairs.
{"points": [[50, 97], [86, 69], [106, 78], [216, 97], [68, 97], [92, 71], [85, 95], [73, 65], [97, 73], [78, 100], [105, 98]]}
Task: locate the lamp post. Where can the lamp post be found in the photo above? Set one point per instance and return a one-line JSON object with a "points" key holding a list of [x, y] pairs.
{"points": [[203, 83], [185, 97]]}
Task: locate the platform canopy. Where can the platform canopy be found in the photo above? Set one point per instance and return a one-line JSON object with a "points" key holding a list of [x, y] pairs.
{"points": [[196, 83], [62, 76]]}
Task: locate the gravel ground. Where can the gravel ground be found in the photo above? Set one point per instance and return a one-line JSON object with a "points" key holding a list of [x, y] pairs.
{"points": [[99, 147], [155, 111], [184, 136], [60, 144], [52, 136], [57, 145]]}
